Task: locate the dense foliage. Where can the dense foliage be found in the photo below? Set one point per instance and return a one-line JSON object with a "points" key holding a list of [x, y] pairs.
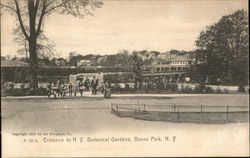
{"points": [[222, 56]]}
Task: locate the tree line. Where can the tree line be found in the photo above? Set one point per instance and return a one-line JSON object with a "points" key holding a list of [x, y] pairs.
{"points": [[120, 59]]}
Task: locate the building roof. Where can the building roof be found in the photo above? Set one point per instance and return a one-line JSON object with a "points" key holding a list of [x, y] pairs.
{"points": [[173, 58], [10, 63], [161, 61], [181, 58]]}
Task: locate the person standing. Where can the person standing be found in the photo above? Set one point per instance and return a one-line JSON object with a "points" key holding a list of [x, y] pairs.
{"points": [[107, 90], [87, 83], [70, 89], [57, 85], [94, 84], [49, 88], [81, 85]]}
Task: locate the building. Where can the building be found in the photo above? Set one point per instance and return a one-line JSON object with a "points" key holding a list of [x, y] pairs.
{"points": [[181, 60], [172, 67], [61, 62], [173, 64], [84, 63], [164, 56]]}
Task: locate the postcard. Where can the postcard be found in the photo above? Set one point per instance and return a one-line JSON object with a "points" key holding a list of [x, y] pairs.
{"points": [[124, 78]]}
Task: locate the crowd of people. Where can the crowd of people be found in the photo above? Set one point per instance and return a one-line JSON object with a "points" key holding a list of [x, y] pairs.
{"points": [[84, 84]]}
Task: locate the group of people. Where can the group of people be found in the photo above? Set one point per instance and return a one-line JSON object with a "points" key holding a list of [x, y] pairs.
{"points": [[86, 84], [59, 88]]}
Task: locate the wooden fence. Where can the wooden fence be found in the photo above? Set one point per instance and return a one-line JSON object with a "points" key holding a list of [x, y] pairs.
{"points": [[140, 109]]}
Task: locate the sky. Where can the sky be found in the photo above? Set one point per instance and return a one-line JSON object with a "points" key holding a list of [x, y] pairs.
{"points": [[159, 25]]}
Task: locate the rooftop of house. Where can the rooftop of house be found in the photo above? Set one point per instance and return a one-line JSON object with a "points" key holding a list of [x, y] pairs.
{"points": [[181, 58], [173, 58], [84, 60]]}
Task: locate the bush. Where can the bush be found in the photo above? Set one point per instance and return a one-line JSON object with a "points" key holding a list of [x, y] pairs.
{"points": [[241, 88], [182, 88], [218, 90], [199, 88], [172, 87], [24, 92], [40, 91], [186, 89], [126, 86], [15, 92], [226, 90], [160, 86], [209, 89]]}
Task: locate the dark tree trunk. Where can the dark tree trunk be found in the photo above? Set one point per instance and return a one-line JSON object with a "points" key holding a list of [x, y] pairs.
{"points": [[33, 64], [33, 45]]}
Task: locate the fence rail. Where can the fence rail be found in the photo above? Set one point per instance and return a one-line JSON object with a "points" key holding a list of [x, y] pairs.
{"points": [[140, 109]]}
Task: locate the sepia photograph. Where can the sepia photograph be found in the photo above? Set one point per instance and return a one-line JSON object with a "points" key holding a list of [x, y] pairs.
{"points": [[124, 78]]}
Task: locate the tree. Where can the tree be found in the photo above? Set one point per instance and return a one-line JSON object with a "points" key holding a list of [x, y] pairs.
{"points": [[30, 16], [45, 47], [74, 58], [154, 53], [223, 49], [71, 55], [136, 69]]}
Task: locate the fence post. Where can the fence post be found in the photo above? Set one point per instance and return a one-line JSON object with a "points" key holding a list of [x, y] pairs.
{"points": [[135, 114], [117, 110], [227, 112], [144, 108], [178, 113], [201, 108]]}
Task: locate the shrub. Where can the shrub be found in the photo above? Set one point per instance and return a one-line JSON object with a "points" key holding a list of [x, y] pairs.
{"points": [[241, 88], [199, 88], [182, 88], [187, 89], [172, 87], [160, 86], [209, 89], [218, 90], [126, 86], [23, 92], [40, 91], [226, 90]]}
